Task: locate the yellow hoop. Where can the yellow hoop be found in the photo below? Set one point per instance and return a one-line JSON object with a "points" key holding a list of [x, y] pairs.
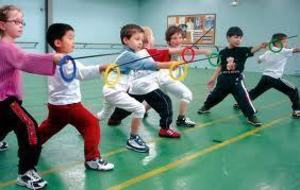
{"points": [[181, 64], [111, 68]]}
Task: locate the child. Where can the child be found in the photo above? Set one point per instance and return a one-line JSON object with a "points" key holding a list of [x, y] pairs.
{"points": [[174, 38], [64, 102], [132, 38], [230, 78], [168, 85], [272, 75], [13, 116]]}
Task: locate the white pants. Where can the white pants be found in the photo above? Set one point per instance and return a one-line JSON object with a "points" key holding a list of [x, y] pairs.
{"points": [[119, 98], [174, 87]]}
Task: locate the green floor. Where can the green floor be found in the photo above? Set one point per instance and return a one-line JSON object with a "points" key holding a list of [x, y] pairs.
{"points": [[221, 153]]}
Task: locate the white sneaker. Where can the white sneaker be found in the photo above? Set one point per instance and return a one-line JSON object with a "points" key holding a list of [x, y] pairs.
{"points": [[31, 180], [98, 115], [137, 144], [3, 146], [99, 164], [296, 114]]}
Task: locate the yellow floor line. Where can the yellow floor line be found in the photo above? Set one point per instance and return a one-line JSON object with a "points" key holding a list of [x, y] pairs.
{"points": [[192, 156]]}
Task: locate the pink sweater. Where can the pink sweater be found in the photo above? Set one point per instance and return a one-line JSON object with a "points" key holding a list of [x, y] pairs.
{"points": [[12, 61]]}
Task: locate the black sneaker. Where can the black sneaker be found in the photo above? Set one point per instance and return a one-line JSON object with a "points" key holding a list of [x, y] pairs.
{"points": [[3, 146], [296, 114], [31, 180], [236, 107], [254, 121], [185, 122], [203, 110], [137, 144], [99, 164]]}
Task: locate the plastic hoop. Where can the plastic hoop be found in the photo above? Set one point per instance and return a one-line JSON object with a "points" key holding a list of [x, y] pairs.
{"points": [[184, 53], [213, 55], [63, 62], [106, 75], [183, 70], [271, 46]]}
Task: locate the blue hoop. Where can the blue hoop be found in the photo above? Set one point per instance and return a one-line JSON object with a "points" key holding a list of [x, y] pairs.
{"points": [[62, 62]]}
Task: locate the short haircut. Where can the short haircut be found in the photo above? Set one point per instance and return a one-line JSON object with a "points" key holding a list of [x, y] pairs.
{"points": [[234, 31], [171, 31], [278, 37], [56, 31], [128, 30]]}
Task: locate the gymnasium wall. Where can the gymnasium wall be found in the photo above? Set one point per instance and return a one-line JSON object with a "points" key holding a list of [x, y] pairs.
{"points": [[259, 19]]}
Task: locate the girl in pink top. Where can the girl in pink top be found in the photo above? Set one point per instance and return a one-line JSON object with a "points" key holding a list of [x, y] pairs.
{"points": [[12, 115]]}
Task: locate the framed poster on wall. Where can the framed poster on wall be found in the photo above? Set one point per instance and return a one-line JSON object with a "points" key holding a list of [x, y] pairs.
{"points": [[195, 26]]}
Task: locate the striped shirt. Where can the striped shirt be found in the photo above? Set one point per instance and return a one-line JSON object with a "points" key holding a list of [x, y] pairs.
{"points": [[12, 61]]}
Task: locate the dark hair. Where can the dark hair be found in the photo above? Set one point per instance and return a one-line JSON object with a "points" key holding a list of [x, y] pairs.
{"points": [[234, 31], [56, 31], [171, 31], [278, 37], [128, 30], [4, 12]]}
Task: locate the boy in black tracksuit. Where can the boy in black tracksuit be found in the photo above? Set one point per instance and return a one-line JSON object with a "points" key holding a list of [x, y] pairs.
{"points": [[230, 77]]}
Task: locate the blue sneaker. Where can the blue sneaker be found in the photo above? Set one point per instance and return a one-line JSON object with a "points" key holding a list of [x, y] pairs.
{"points": [[136, 143]]}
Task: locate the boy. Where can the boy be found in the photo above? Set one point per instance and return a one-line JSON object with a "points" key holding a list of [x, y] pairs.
{"points": [[230, 78], [272, 75], [64, 101]]}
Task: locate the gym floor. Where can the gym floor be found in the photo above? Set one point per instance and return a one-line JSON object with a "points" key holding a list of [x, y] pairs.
{"points": [[222, 152]]}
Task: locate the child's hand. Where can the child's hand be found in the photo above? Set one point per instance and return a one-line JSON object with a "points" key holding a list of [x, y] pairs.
{"points": [[264, 45], [102, 68], [211, 83], [58, 57]]}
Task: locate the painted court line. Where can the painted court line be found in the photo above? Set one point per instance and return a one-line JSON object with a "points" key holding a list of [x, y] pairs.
{"points": [[193, 156], [120, 150]]}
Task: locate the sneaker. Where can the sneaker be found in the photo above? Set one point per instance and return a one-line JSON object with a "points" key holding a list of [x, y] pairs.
{"points": [[3, 146], [203, 110], [169, 133], [99, 164], [185, 122], [137, 144], [296, 114], [113, 122], [253, 120], [31, 180], [236, 107]]}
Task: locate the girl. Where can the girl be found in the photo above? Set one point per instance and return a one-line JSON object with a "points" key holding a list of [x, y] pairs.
{"points": [[12, 115]]}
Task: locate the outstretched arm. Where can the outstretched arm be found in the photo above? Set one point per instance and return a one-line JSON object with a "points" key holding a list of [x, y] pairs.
{"points": [[178, 51], [261, 46]]}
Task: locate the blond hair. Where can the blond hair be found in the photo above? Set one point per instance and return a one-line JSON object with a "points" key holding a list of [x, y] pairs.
{"points": [[4, 13], [149, 36]]}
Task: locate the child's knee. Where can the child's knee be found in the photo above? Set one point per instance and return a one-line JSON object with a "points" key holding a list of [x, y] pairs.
{"points": [[139, 111], [187, 96]]}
